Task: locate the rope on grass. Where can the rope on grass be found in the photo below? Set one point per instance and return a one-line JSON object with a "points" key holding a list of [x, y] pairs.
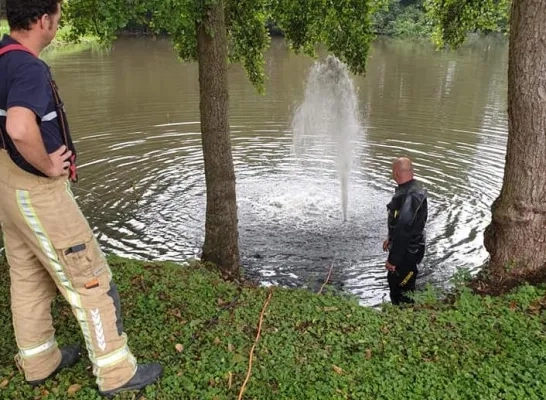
{"points": [[328, 277], [255, 342]]}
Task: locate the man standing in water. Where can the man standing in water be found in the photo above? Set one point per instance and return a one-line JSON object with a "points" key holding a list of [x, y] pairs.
{"points": [[408, 212], [49, 244]]}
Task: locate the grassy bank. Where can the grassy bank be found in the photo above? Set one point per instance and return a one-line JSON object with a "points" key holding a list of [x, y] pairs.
{"points": [[62, 40], [311, 347]]}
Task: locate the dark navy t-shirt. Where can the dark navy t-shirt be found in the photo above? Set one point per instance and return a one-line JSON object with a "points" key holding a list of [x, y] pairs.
{"points": [[25, 82]]}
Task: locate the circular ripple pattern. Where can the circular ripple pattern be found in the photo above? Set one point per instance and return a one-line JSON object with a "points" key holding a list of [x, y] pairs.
{"points": [[135, 117]]}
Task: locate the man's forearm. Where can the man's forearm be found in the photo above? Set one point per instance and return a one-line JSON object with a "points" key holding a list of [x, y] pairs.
{"points": [[23, 129], [398, 249], [400, 237], [31, 146]]}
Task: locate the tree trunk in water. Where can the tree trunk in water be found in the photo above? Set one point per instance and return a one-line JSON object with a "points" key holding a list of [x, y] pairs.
{"points": [[221, 234], [516, 237]]}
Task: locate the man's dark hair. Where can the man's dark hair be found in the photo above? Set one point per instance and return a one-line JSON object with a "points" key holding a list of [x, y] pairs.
{"points": [[23, 13]]}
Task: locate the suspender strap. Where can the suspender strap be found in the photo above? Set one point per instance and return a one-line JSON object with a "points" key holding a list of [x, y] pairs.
{"points": [[59, 106], [12, 47], [60, 111], [2, 139]]}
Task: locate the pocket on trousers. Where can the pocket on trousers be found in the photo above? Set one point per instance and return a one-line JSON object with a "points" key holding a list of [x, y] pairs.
{"points": [[83, 263]]}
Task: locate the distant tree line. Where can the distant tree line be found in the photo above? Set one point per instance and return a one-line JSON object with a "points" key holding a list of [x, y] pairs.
{"points": [[402, 18]]}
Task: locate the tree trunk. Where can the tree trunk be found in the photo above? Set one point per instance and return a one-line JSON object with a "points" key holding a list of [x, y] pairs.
{"points": [[221, 234], [516, 237]]}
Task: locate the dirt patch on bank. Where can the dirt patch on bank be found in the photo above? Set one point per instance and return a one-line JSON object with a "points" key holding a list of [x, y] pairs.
{"points": [[497, 286]]}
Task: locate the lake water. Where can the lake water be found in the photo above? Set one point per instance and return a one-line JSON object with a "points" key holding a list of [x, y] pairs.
{"points": [[134, 113]]}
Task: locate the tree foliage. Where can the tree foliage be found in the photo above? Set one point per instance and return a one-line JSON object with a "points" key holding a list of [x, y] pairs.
{"points": [[343, 26], [248, 36], [453, 19], [102, 18]]}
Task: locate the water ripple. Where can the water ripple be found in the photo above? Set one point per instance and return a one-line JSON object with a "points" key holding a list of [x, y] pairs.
{"points": [[142, 182]]}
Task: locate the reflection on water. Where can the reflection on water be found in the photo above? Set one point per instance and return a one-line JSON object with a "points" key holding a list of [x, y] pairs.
{"points": [[135, 117]]}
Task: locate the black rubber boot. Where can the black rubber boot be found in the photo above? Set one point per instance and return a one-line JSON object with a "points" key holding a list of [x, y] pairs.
{"points": [[145, 375], [70, 355]]}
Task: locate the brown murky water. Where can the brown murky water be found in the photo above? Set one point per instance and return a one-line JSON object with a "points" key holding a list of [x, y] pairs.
{"points": [[135, 117]]}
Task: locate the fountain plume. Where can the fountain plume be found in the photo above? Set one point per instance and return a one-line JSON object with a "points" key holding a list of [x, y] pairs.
{"points": [[326, 124]]}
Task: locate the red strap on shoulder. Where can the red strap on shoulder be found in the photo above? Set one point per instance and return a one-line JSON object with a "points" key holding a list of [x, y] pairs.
{"points": [[15, 47]]}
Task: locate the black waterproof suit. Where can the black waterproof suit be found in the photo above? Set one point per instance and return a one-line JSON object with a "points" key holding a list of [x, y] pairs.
{"points": [[408, 213]]}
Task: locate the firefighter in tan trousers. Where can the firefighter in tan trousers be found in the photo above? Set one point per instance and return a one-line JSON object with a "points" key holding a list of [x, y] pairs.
{"points": [[49, 244]]}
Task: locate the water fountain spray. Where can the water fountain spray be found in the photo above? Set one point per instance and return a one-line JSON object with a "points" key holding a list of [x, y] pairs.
{"points": [[326, 124]]}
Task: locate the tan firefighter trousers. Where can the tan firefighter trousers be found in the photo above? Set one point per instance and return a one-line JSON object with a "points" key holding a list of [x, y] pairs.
{"points": [[49, 245]]}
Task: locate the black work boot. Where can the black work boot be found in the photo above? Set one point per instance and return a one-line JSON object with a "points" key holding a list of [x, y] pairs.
{"points": [[70, 355], [145, 375]]}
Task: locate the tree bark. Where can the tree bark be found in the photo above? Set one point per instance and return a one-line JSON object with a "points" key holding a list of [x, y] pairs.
{"points": [[516, 237], [221, 234]]}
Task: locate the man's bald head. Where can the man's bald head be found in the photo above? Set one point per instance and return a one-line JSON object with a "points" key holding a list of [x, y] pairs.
{"points": [[402, 170]]}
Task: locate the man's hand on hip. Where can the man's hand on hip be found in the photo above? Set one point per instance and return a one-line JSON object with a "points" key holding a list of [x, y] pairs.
{"points": [[390, 267], [59, 162], [22, 127]]}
